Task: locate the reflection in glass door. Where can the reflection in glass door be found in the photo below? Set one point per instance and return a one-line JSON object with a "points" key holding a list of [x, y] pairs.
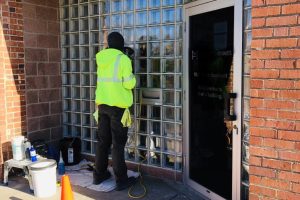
{"points": [[211, 100]]}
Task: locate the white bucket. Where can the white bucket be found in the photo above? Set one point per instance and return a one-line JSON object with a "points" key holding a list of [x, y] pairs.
{"points": [[17, 144], [43, 174]]}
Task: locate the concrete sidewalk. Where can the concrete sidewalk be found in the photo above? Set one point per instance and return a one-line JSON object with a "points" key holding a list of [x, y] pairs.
{"points": [[157, 189]]}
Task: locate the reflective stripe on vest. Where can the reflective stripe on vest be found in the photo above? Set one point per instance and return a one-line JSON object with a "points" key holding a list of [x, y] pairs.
{"points": [[115, 76]]}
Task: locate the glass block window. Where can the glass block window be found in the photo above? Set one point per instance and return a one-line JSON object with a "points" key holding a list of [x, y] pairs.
{"points": [[154, 30]]}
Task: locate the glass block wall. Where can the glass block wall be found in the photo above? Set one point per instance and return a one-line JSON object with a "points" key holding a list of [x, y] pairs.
{"points": [[246, 99], [153, 28]]}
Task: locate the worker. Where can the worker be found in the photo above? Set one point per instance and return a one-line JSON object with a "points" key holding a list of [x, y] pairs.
{"points": [[115, 82]]}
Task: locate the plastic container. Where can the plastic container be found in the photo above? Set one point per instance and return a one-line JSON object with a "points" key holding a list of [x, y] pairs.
{"points": [[17, 144], [43, 174]]}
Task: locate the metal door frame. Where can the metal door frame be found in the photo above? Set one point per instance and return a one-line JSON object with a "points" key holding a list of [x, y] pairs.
{"points": [[195, 8]]}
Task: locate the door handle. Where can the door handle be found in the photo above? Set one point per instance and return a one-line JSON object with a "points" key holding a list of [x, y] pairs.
{"points": [[229, 106]]}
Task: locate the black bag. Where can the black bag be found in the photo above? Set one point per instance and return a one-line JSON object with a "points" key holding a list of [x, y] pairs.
{"points": [[70, 148]]}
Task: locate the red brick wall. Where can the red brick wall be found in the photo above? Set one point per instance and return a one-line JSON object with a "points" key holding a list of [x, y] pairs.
{"points": [[42, 68], [275, 100], [12, 79]]}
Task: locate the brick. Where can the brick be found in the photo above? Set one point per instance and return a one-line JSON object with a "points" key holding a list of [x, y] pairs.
{"points": [[36, 82], [53, 28], [262, 190], [262, 32], [30, 40], [258, 22], [56, 133], [46, 13], [48, 69], [289, 94], [36, 110], [263, 113], [36, 54], [290, 74], [289, 135], [296, 167], [281, 31], [266, 11], [276, 164], [290, 53], [256, 83], [256, 44], [258, 3], [281, 21], [279, 84], [264, 93], [54, 55], [281, 43], [279, 64], [263, 132], [263, 152], [55, 82], [39, 135], [29, 11], [275, 2], [265, 54], [260, 171], [295, 31], [280, 125], [49, 95], [290, 176], [256, 103], [34, 26], [291, 9], [49, 121], [256, 161], [296, 187], [32, 97], [52, 3], [276, 184], [278, 144], [47, 41], [56, 107], [33, 125], [257, 64], [264, 73], [292, 156], [258, 122]]}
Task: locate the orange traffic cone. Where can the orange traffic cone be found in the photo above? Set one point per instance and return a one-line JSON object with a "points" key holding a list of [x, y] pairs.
{"points": [[66, 190]]}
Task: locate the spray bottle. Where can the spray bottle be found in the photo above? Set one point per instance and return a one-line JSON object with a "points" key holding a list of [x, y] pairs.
{"points": [[61, 165], [32, 154]]}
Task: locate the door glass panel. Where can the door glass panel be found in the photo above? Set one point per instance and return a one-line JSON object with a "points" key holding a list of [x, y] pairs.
{"points": [[210, 75]]}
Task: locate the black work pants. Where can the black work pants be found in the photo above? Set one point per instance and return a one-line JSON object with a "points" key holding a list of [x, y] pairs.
{"points": [[111, 131]]}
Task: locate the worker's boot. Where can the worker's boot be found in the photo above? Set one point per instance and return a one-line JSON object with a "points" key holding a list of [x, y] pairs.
{"points": [[126, 183], [97, 179]]}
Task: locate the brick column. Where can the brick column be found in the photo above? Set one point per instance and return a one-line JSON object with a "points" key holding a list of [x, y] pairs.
{"points": [[275, 100], [42, 66], [12, 80]]}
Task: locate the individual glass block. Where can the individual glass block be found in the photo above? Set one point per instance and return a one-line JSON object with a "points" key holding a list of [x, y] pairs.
{"points": [[169, 65], [171, 145], [246, 82], [168, 113], [155, 159], [178, 115], [154, 66], [84, 24], [116, 6], [74, 1], [154, 3], [141, 18], [75, 66], [76, 119], [128, 35], [155, 143], [84, 65], [142, 141], [65, 13], [85, 93], [155, 112], [94, 50], [65, 26], [142, 50], [86, 133], [75, 53], [248, 40], [179, 31], [66, 92], [179, 17], [247, 3], [141, 34], [169, 129], [178, 82], [76, 106], [178, 130], [179, 163], [142, 81], [84, 52], [155, 49], [178, 98], [247, 64], [154, 33], [103, 36], [75, 79], [94, 134], [74, 39], [154, 81], [65, 40], [67, 130], [179, 2], [168, 2], [66, 79], [169, 32], [168, 48], [140, 4], [130, 154], [168, 97], [86, 106], [168, 81], [245, 190], [168, 15], [76, 92], [179, 48], [95, 8], [155, 128], [105, 21], [105, 7], [128, 5], [245, 172], [67, 119], [93, 68], [84, 38], [141, 66], [94, 23], [83, 1], [142, 126], [85, 79], [84, 10], [66, 66], [116, 21], [142, 111], [74, 25], [74, 11], [128, 19], [66, 105], [93, 93], [179, 65], [95, 38], [142, 156], [154, 17], [86, 146], [247, 19], [168, 161]]}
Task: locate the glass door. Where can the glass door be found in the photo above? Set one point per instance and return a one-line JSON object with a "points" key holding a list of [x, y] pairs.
{"points": [[210, 99]]}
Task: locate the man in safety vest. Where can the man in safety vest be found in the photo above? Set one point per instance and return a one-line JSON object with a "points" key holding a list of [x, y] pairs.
{"points": [[115, 82]]}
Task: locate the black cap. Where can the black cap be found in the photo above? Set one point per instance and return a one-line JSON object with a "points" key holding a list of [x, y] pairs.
{"points": [[115, 40]]}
